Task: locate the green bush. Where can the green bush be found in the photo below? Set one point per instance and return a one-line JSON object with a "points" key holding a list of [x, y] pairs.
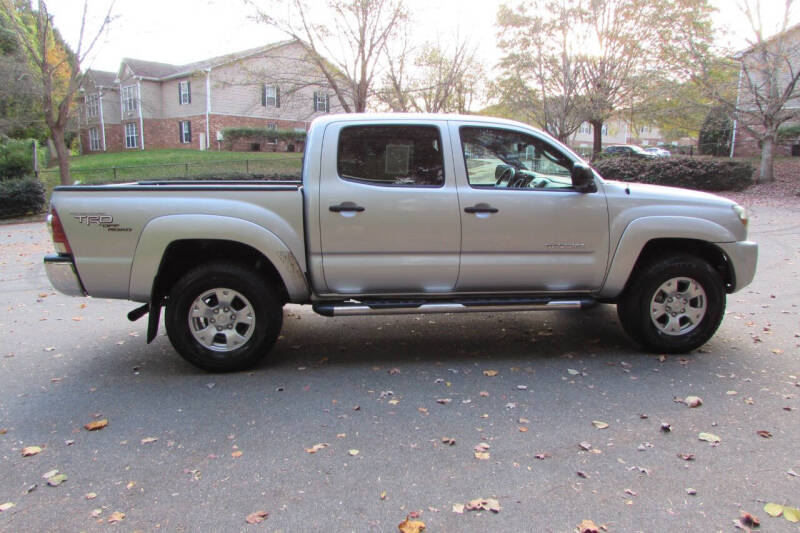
{"points": [[699, 174], [231, 135], [21, 197], [16, 158], [716, 133]]}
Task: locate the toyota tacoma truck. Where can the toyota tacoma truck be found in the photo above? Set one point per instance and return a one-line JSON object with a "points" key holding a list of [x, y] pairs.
{"points": [[402, 214]]}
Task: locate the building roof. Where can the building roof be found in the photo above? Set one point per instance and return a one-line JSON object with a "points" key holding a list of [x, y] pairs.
{"points": [[101, 78], [164, 71]]}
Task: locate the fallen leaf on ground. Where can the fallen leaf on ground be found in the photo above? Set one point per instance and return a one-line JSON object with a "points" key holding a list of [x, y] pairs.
{"points": [[444, 401], [693, 401], [411, 526], [542, 456], [27, 451], [237, 453], [709, 437], [582, 474], [573, 372], [383, 495], [686, 456], [749, 520], [484, 504], [666, 427], [599, 424], [90, 495], [116, 516], [49, 474], [773, 509], [352, 452], [6, 506], [585, 446], [448, 441], [257, 517], [96, 513], [490, 373], [148, 440], [522, 429], [764, 433], [458, 508], [96, 424], [317, 447], [483, 456], [393, 371], [587, 526], [691, 492], [57, 480], [792, 514], [484, 394]]}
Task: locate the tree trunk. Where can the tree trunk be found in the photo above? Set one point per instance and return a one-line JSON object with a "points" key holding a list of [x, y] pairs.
{"points": [[597, 131], [766, 173], [62, 154]]}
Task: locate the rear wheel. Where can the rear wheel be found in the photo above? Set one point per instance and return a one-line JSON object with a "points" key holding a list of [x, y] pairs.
{"points": [[674, 304], [222, 318]]}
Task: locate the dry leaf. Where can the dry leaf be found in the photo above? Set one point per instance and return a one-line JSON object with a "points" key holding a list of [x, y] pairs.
{"points": [[383, 495], [393, 371], [411, 526], [483, 456], [792, 514], [522, 429], [749, 520], [394, 401], [587, 526], [449, 441], [599, 424], [444, 401], [27, 451], [693, 401], [90, 495], [773, 509], [458, 508], [96, 424], [484, 394], [96, 513], [666, 427], [709, 437], [237, 453], [542, 456], [585, 446], [686, 456], [490, 373], [6, 506], [582, 474], [148, 440], [317, 447], [764, 433], [49, 474], [116, 516], [352, 452], [257, 517], [57, 480], [573, 372]]}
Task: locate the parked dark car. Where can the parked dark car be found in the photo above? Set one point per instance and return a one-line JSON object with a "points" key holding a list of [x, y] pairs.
{"points": [[627, 150]]}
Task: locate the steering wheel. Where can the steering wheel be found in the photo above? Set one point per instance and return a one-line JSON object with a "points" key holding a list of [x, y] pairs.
{"points": [[506, 176]]}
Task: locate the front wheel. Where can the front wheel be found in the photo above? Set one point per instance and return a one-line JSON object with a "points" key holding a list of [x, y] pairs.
{"points": [[222, 317], [673, 305]]}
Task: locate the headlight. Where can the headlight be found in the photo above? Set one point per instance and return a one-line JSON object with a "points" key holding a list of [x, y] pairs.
{"points": [[741, 212]]}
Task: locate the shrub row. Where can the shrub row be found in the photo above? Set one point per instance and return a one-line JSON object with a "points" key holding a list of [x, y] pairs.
{"points": [[699, 174], [19, 197], [16, 158], [261, 134]]}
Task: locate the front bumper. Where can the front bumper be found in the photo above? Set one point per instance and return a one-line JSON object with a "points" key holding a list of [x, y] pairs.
{"points": [[63, 276], [744, 257]]}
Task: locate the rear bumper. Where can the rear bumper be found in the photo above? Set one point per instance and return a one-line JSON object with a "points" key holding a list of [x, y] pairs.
{"points": [[744, 257], [63, 276]]}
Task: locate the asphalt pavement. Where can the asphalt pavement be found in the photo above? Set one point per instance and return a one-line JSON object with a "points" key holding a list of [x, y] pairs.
{"points": [[565, 412]]}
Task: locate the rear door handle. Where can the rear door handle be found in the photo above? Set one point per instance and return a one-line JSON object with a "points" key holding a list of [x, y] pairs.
{"points": [[481, 209], [342, 208]]}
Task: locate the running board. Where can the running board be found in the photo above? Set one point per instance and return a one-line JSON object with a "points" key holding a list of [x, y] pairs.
{"points": [[409, 307]]}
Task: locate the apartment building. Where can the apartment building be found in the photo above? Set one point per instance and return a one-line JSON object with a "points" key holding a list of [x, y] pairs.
{"points": [[149, 105]]}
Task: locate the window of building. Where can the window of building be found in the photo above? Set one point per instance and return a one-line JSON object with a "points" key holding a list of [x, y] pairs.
{"points": [[585, 128], [498, 158], [271, 96], [129, 102], [321, 102], [409, 156], [94, 139], [604, 130], [131, 135], [185, 131], [92, 105], [184, 92], [644, 129], [272, 126]]}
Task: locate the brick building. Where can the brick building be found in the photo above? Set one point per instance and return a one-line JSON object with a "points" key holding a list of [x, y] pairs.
{"points": [[148, 105]]}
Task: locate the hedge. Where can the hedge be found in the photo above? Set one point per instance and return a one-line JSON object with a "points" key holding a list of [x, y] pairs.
{"points": [[231, 135], [19, 197], [699, 174], [16, 158]]}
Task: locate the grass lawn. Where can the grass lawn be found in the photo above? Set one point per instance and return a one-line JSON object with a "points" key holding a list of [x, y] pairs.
{"points": [[116, 167]]}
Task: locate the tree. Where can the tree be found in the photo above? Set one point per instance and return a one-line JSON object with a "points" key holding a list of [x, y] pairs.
{"points": [[541, 59], [57, 69], [716, 134], [348, 46], [441, 79]]}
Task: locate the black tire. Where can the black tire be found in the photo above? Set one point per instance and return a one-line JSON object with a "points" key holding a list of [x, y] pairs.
{"points": [[648, 325], [219, 353]]}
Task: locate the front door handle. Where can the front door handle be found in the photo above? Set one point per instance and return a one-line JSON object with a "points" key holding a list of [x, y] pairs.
{"points": [[343, 208], [481, 208]]}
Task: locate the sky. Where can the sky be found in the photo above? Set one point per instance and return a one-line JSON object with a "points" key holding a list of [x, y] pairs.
{"points": [[184, 31]]}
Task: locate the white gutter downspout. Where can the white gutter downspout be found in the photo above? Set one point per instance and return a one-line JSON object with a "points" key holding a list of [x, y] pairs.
{"points": [[735, 120], [102, 122], [141, 119], [208, 106]]}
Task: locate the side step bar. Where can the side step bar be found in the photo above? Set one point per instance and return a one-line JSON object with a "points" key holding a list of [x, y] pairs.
{"points": [[409, 307]]}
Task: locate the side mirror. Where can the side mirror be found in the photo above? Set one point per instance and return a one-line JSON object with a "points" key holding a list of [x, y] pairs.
{"points": [[583, 178]]}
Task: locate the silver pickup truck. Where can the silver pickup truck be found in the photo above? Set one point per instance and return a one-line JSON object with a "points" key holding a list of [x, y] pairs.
{"points": [[403, 214]]}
